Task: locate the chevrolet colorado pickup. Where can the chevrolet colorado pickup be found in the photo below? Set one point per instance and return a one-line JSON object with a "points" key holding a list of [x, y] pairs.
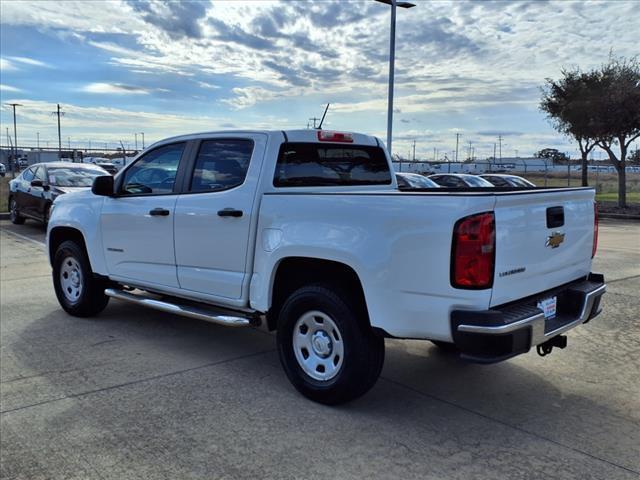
{"points": [[306, 233]]}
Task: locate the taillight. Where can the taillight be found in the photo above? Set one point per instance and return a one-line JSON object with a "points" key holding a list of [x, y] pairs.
{"points": [[473, 251], [327, 136], [595, 230]]}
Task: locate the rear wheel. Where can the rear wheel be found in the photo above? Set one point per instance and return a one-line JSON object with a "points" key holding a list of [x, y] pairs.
{"points": [[14, 214], [80, 293], [328, 351]]}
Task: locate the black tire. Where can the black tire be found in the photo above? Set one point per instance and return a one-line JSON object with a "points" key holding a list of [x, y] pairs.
{"points": [[445, 346], [14, 213], [46, 216], [363, 351], [90, 299]]}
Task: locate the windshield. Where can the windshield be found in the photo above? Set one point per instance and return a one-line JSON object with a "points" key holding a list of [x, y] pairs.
{"points": [[477, 181], [73, 176]]}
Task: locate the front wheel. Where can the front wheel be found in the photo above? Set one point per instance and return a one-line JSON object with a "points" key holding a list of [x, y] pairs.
{"points": [[80, 293], [328, 351], [14, 214]]}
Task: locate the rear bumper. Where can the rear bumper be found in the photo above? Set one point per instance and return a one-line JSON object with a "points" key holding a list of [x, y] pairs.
{"points": [[499, 333]]}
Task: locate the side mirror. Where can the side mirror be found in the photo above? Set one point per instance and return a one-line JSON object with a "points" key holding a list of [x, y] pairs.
{"points": [[37, 183], [103, 186]]}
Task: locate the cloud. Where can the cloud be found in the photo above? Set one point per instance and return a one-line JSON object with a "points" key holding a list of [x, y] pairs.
{"points": [[248, 96], [7, 66], [442, 37], [495, 133], [114, 88], [30, 61], [9, 88], [208, 85], [473, 66], [234, 34], [177, 19]]}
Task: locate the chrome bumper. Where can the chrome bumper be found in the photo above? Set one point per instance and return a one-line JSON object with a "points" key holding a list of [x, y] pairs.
{"points": [[537, 322], [503, 332]]}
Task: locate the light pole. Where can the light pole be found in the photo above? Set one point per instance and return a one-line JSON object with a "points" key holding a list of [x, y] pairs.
{"points": [[392, 58], [142, 133], [38, 139], [135, 136], [59, 113], [15, 131]]}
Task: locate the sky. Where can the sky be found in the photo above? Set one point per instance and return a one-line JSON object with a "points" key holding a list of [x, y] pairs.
{"points": [[167, 68]]}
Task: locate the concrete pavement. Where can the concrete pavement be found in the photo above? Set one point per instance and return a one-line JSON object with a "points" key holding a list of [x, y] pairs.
{"points": [[135, 393]]}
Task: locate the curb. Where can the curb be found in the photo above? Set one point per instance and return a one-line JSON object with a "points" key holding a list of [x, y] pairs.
{"points": [[619, 216], [4, 216]]}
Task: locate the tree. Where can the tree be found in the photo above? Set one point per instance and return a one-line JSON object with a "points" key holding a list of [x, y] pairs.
{"points": [[567, 103], [552, 154], [598, 108], [634, 158], [616, 120]]}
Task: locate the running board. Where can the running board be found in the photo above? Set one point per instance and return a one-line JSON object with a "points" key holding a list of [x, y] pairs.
{"points": [[184, 310]]}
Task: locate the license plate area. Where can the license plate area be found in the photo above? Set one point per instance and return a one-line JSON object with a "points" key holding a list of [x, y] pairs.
{"points": [[549, 306]]}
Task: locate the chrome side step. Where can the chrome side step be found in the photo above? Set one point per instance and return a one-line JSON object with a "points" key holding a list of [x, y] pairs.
{"points": [[184, 310]]}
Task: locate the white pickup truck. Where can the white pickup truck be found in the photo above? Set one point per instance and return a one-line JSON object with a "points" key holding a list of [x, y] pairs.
{"points": [[306, 233]]}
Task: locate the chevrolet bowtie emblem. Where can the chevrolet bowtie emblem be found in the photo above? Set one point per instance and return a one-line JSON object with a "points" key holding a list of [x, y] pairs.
{"points": [[555, 239]]}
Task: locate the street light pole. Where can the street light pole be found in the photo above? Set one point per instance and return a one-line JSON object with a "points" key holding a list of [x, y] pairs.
{"points": [[392, 59], [15, 131], [58, 113], [142, 133]]}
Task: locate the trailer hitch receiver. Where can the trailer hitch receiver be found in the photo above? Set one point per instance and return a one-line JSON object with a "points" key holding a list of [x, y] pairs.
{"points": [[547, 347]]}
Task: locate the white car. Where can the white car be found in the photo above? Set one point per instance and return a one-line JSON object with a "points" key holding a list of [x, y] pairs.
{"points": [[306, 233]]}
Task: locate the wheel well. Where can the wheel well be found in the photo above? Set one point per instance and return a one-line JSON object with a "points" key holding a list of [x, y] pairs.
{"points": [[295, 272], [62, 234]]}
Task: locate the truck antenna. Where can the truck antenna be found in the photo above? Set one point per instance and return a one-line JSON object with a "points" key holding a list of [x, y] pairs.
{"points": [[323, 115]]}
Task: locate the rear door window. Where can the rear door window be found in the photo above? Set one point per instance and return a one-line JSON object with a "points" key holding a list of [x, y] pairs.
{"points": [[221, 164], [318, 165]]}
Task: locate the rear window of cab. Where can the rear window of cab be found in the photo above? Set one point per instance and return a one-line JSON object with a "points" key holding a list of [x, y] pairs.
{"points": [[319, 165]]}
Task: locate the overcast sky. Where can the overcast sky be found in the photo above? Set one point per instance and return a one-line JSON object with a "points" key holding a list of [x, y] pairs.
{"points": [[169, 68]]}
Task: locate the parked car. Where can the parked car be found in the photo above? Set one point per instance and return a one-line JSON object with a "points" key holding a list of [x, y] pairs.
{"points": [[108, 166], [3, 170], [459, 180], [506, 180], [33, 191], [306, 233], [408, 181]]}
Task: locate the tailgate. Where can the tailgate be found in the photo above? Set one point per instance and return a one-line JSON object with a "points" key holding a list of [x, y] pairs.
{"points": [[543, 239]]}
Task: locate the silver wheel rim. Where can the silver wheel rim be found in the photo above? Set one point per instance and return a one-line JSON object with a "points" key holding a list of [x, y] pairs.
{"points": [[71, 280], [13, 209], [318, 345]]}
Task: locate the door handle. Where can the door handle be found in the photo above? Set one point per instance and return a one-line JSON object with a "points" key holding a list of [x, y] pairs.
{"points": [[229, 212], [159, 212]]}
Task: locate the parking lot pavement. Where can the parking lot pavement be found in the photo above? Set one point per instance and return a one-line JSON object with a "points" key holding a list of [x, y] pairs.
{"points": [[136, 393]]}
